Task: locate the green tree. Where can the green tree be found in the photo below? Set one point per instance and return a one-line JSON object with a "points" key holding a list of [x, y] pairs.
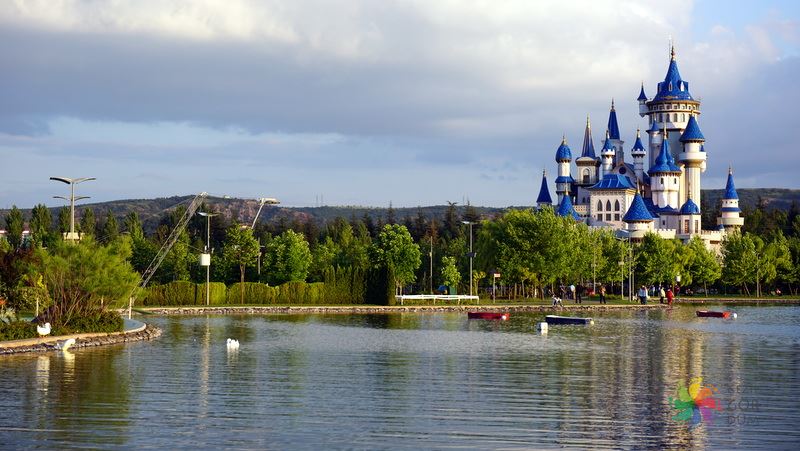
{"points": [[739, 260], [703, 267], [109, 230], [133, 225], [14, 226], [88, 222], [40, 225], [395, 249], [287, 258], [450, 275], [240, 249], [82, 278], [63, 220], [322, 258]]}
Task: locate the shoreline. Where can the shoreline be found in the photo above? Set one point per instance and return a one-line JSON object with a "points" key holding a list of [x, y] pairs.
{"points": [[87, 340]]}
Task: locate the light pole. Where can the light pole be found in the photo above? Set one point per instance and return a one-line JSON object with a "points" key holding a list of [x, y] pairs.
{"points": [[430, 254], [205, 258], [72, 182], [471, 254]]}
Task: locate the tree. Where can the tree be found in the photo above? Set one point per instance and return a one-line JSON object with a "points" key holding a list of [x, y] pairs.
{"points": [[88, 222], [40, 225], [241, 249], [703, 267], [133, 225], [14, 225], [656, 261], [394, 248], [287, 258], [450, 275], [109, 230], [739, 260], [82, 278], [64, 217]]}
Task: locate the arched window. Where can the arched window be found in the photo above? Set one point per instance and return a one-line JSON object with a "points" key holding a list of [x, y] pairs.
{"points": [[683, 117], [599, 206], [608, 205], [585, 176], [675, 182], [616, 206], [660, 117], [662, 180]]}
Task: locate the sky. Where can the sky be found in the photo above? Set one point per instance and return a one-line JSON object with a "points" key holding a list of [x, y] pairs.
{"points": [[374, 102]]}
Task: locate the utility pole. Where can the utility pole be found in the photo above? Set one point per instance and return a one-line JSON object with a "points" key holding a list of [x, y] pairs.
{"points": [[72, 236], [471, 254], [430, 254], [205, 259]]}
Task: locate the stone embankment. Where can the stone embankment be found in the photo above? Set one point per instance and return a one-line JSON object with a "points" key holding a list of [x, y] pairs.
{"points": [[145, 332], [299, 310]]}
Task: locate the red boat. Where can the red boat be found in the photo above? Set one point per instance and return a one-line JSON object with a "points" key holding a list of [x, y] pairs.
{"points": [[713, 314], [488, 315]]}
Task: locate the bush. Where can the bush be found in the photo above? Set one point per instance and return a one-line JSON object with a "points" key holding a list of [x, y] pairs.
{"points": [[254, 293], [180, 292], [17, 330], [217, 292], [102, 322]]}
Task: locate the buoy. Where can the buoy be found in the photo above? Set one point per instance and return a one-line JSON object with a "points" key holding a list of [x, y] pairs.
{"points": [[233, 345], [542, 328], [43, 330], [734, 316], [66, 344]]}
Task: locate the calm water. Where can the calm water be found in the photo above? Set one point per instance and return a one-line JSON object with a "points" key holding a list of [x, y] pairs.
{"points": [[414, 381]]}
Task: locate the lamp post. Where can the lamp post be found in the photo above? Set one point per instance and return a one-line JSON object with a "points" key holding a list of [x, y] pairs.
{"points": [[430, 255], [72, 182], [471, 254], [205, 259]]}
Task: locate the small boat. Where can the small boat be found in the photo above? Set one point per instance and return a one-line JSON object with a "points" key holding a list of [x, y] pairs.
{"points": [[488, 315], [554, 319], [714, 314]]}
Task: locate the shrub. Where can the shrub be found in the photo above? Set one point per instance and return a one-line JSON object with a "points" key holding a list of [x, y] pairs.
{"points": [[180, 292], [292, 293], [106, 321], [17, 330], [254, 293], [217, 292]]}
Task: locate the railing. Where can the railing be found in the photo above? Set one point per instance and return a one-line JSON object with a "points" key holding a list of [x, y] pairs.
{"points": [[436, 297]]}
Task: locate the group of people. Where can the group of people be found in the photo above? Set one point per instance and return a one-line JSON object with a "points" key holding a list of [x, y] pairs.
{"points": [[576, 294], [663, 295]]}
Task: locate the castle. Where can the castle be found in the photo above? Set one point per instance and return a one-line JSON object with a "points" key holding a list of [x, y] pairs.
{"points": [[634, 200]]}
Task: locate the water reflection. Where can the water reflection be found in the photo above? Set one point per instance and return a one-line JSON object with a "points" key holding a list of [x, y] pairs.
{"points": [[416, 381]]}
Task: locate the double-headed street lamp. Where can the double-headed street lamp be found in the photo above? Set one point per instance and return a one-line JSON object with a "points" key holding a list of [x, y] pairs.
{"points": [[471, 254], [71, 235], [205, 258]]}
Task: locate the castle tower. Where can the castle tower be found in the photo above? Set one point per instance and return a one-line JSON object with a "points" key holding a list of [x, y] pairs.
{"points": [[671, 107], [544, 193], [689, 219], [613, 133], [693, 159], [664, 178], [638, 218], [565, 208], [607, 155], [564, 181], [729, 216], [642, 102], [587, 163], [638, 153]]}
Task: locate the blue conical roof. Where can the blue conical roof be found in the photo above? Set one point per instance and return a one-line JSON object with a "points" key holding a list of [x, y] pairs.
{"points": [[613, 127], [544, 191], [638, 147], [654, 128], [608, 148], [563, 153], [565, 208], [730, 189], [673, 87], [642, 95], [692, 132], [664, 161], [638, 211], [588, 145], [690, 208]]}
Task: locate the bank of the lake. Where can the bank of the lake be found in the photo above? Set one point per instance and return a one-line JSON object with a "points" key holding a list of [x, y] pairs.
{"points": [[134, 331]]}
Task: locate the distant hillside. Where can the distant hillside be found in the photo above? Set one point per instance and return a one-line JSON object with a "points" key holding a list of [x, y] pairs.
{"points": [[151, 211]]}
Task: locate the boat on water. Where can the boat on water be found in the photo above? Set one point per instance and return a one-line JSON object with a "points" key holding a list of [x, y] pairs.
{"points": [[555, 319], [714, 314], [502, 316]]}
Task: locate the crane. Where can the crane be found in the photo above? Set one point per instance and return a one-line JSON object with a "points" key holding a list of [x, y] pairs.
{"points": [[162, 253]]}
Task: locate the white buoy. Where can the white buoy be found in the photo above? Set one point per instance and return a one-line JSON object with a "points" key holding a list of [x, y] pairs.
{"points": [[43, 330], [66, 344], [734, 316], [542, 328]]}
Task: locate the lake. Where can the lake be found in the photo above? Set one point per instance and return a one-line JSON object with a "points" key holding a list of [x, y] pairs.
{"points": [[415, 381]]}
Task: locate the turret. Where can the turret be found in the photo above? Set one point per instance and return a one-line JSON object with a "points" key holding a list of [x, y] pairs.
{"points": [[565, 208], [693, 158], [638, 153], [607, 155], [664, 177], [587, 163], [729, 212], [689, 218], [564, 181], [544, 193], [638, 218], [642, 102], [613, 133]]}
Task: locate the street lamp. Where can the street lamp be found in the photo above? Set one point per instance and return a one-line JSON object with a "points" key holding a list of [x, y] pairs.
{"points": [[625, 236], [205, 258], [71, 235], [471, 254], [261, 202]]}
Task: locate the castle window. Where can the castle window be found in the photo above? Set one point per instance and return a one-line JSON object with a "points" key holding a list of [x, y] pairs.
{"points": [[599, 206], [683, 117], [608, 216], [676, 181], [685, 226], [662, 180], [616, 216], [616, 206], [660, 117], [696, 225], [608, 205], [599, 217], [585, 176]]}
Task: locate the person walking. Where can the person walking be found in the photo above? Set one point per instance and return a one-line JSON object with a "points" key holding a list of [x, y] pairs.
{"points": [[670, 296], [602, 294], [579, 294], [643, 295], [661, 295]]}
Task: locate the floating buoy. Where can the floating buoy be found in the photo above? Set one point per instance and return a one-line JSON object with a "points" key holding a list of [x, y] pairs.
{"points": [[542, 328]]}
